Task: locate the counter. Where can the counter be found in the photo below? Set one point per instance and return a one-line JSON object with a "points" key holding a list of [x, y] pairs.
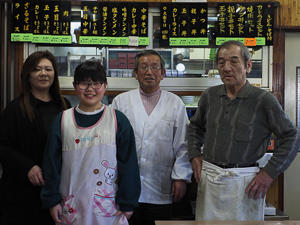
{"points": [[173, 222]]}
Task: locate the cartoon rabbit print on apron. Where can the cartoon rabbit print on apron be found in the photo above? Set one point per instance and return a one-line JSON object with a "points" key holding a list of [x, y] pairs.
{"points": [[104, 198]]}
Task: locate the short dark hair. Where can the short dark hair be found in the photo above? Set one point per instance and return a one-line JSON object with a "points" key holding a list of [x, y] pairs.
{"points": [[145, 53], [244, 50], [90, 69]]}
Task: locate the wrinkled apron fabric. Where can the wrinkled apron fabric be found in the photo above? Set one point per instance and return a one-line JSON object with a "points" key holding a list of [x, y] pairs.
{"points": [[221, 195]]}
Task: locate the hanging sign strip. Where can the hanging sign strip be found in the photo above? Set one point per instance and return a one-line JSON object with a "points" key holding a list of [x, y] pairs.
{"points": [[124, 24], [85, 23], [268, 14], [27, 17], [134, 25], [198, 24], [18, 16], [46, 20], [65, 17], [184, 20], [174, 32], [231, 22], [39, 35], [250, 23], [55, 22], [222, 21], [36, 25], [133, 20], [37, 22], [95, 23], [165, 22], [105, 18], [227, 20], [115, 20], [177, 37], [143, 24], [55, 13], [240, 20]]}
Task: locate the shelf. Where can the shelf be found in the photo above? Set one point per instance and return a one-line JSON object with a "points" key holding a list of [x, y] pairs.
{"points": [[120, 61]]}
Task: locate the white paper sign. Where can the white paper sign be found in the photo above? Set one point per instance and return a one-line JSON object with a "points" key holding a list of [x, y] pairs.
{"points": [[133, 41]]}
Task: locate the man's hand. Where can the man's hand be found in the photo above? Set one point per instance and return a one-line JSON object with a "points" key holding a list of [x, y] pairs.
{"points": [[178, 189], [197, 167], [35, 176], [56, 213], [260, 183]]}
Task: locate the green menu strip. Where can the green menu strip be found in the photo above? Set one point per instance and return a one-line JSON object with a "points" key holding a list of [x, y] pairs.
{"points": [[39, 38], [114, 41], [124, 40], [219, 40], [60, 39], [94, 40], [143, 40], [174, 41], [104, 40], [260, 41], [84, 40], [24, 37], [188, 41]]}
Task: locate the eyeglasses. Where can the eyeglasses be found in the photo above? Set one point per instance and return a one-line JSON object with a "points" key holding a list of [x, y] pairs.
{"points": [[153, 68], [94, 85]]}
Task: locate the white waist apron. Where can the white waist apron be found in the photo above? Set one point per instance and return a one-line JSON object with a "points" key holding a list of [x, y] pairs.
{"points": [[221, 195], [89, 171]]}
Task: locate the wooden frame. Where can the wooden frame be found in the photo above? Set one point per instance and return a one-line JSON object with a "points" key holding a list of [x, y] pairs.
{"points": [[298, 96]]}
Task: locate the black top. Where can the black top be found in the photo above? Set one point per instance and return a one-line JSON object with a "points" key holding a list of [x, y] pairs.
{"points": [[22, 146]]}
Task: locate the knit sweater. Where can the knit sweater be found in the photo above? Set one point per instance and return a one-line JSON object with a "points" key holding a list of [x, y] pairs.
{"points": [[239, 130]]}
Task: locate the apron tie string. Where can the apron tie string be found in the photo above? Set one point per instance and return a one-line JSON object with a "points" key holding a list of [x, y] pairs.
{"points": [[223, 173]]}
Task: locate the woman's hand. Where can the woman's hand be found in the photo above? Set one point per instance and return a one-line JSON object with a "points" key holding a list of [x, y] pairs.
{"points": [[35, 176]]}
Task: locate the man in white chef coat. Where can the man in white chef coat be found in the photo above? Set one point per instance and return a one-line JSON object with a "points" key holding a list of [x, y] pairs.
{"points": [[160, 121]]}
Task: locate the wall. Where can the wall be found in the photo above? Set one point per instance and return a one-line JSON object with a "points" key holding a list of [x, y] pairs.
{"points": [[292, 175]]}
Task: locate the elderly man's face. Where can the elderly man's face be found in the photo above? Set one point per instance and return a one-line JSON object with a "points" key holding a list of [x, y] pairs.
{"points": [[231, 66], [149, 73]]}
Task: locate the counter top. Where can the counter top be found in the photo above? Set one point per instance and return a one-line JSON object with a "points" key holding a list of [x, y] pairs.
{"points": [[189, 222]]}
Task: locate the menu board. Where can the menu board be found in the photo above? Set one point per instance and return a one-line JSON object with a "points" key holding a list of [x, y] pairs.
{"points": [[114, 23], [142, 25], [183, 24], [251, 23], [22, 29], [65, 16], [126, 23], [41, 21]]}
